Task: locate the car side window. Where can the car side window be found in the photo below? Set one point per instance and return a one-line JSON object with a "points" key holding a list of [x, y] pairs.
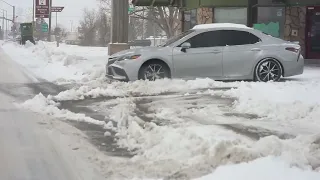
{"points": [[205, 39], [236, 37]]}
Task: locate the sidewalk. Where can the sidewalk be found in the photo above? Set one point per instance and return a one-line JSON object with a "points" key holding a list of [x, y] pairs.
{"points": [[312, 62], [10, 72]]}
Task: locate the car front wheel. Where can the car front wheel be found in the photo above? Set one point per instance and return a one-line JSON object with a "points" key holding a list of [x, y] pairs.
{"points": [[153, 71], [268, 70]]}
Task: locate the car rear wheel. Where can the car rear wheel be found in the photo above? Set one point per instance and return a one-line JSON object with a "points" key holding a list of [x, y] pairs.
{"points": [[153, 71], [268, 70]]}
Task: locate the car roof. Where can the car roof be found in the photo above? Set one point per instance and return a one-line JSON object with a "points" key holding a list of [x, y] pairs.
{"points": [[220, 26]]}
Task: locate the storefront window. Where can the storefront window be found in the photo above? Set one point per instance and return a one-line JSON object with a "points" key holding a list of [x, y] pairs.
{"points": [[230, 15], [190, 19], [271, 21]]}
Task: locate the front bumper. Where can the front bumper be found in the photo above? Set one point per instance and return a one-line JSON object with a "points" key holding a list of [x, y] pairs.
{"points": [[116, 73], [126, 70]]}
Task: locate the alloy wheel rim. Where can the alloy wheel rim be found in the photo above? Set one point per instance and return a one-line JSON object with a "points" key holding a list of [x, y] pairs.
{"points": [[153, 72], [269, 71]]}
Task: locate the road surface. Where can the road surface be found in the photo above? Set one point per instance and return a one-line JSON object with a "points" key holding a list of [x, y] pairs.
{"points": [[27, 152]]}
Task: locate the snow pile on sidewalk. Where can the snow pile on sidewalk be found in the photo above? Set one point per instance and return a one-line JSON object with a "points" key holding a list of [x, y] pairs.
{"points": [[291, 103], [96, 89], [62, 64], [268, 168], [186, 146], [45, 105]]}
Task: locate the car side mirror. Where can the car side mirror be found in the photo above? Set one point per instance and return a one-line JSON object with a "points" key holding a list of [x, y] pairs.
{"points": [[185, 46]]}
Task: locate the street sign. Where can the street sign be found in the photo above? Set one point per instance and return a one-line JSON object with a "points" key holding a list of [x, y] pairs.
{"points": [[42, 8], [44, 27], [56, 9], [42, 3]]}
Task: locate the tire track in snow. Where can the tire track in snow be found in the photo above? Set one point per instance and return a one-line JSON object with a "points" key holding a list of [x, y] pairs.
{"points": [[144, 112]]}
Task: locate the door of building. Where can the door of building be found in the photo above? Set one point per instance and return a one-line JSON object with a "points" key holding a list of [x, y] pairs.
{"points": [[313, 33]]}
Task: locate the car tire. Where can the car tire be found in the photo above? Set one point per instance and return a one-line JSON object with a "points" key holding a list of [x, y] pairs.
{"points": [[154, 70], [268, 70]]}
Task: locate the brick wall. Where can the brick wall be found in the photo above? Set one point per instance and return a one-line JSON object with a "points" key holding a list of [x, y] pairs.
{"points": [[295, 22]]}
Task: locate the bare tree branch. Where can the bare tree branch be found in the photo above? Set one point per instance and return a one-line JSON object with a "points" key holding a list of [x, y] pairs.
{"points": [[166, 18]]}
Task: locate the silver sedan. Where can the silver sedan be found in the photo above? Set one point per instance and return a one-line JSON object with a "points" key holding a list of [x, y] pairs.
{"points": [[220, 51]]}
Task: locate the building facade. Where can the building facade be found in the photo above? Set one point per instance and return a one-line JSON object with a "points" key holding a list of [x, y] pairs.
{"points": [[292, 20]]}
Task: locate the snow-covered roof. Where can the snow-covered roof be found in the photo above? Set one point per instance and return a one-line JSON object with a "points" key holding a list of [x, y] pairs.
{"points": [[220, 25]]}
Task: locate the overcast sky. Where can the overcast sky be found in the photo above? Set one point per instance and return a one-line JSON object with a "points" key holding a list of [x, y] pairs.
{"points": [[70, 15]]}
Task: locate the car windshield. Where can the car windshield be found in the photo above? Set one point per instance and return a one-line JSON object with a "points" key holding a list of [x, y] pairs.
{"points": [[176, 38]]}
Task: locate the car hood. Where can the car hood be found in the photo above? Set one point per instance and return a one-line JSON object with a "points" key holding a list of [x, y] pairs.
{"points": [[139, 51]]}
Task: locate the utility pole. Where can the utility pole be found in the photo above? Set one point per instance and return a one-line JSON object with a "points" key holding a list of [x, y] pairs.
{"points": [[252, 12], [33, 4], [3, 17], [13, 10], [71, 26], [6, 24], [14, 14], [249, 13], [56, 19], [50, 16], [119, 26]]}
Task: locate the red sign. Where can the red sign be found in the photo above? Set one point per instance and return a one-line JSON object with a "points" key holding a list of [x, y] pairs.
{"points": [[42, 8], [56, 9]]}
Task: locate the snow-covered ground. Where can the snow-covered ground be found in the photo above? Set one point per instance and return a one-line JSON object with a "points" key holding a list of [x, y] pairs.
{"points": [[64, 64], [188, 135]]}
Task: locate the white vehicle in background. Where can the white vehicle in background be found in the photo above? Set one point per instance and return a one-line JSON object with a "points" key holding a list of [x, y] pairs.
{"points": [[72, 38]]}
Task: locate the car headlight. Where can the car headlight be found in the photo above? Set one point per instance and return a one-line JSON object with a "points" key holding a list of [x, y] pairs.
{"points": [[130, 57]]}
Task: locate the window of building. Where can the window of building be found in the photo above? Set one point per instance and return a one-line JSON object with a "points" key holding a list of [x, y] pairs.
{"points": [[271, 20], [190, 19], [230, 15]]}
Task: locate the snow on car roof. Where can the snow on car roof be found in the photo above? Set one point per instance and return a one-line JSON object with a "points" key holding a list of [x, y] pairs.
{"points": [[220, 25]]}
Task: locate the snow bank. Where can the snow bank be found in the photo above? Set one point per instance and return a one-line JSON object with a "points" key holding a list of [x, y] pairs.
{"points": [[183, 144], [292, 103], [268, 168], [45, 105], [140, 88], [59, 64], [186, 140]]}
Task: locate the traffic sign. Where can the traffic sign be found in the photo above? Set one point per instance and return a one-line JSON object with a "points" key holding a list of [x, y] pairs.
{"points": [[42, 2], [56, 9], [44, 27], [42, 8]]}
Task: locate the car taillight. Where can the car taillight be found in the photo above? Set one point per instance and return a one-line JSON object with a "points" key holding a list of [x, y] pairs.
{"points": [[292, 49]]}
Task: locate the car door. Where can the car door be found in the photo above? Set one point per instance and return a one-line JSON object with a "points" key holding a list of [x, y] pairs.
{"points": [[202, 59], [240, 53]]}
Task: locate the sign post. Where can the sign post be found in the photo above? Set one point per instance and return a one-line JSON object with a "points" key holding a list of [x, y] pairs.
{"points": [[57, 9]]}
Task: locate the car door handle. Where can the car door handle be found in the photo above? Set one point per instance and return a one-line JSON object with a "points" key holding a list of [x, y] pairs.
{"points": [[255, 49]]}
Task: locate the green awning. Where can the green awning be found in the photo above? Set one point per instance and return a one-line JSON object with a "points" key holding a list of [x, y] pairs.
{"points": [[154, 2], [223, 3], [289, 3]]}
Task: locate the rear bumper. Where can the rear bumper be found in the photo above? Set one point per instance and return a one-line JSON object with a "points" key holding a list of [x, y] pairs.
{"points": [[294, 68]]}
